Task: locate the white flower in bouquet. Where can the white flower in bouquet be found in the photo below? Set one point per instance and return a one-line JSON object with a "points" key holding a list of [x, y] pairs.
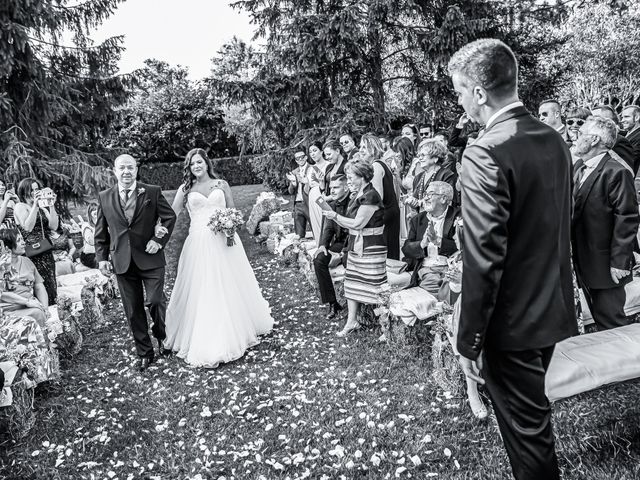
{"points": [[227, 221]]}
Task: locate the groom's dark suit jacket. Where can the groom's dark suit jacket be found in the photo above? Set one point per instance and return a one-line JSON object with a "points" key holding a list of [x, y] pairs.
{"points": [[125, 241], [516, 209]]}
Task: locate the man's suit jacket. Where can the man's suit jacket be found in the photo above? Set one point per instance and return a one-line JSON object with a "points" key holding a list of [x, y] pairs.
{"points": [[624, 148], [125, 241], [516, 209], [413, 251], [604, 225], [634, 139], [334, 237]]}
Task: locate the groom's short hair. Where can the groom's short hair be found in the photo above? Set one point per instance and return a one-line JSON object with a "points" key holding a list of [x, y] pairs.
{"points": [[488, 63]]}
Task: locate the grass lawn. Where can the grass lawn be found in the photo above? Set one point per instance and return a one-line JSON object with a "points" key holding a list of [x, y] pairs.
{"points": [[302, 404]]}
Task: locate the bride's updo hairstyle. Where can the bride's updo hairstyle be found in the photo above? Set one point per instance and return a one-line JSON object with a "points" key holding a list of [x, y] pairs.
{"points": [[189, 178]]}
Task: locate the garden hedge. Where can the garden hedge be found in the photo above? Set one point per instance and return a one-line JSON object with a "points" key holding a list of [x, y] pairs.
{"points": [[235, 170]]}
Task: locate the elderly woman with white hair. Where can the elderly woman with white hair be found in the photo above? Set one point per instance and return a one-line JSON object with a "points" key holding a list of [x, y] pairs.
{"points": [[431, 157]]}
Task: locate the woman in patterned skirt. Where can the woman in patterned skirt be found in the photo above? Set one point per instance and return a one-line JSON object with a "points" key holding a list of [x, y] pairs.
{"points": [[34, 223], [367, 252]]}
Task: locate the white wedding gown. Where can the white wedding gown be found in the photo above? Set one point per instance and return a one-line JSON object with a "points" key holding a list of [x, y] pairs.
{"points": [[216, 310]]}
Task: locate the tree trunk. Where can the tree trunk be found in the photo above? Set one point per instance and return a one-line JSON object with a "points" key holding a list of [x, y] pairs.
{"points": [[374, 67]]}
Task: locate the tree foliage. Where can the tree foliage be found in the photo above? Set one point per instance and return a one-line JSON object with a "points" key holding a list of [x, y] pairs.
{"points": [[601, 61], [168, 115], [57, 101], [334, 65]]}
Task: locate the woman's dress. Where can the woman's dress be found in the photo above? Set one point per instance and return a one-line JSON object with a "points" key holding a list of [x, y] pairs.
{"points": [[315, 212], [44, 262], [216, 311], [366, 271]]}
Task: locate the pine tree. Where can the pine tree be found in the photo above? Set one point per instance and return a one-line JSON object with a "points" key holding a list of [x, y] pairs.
{"points": [[57, 101]]}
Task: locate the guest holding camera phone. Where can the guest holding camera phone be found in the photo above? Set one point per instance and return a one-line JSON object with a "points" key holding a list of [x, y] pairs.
{"points": [[35, 216], [9, 198]]}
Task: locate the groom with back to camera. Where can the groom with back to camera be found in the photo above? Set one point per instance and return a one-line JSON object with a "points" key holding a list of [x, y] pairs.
{"points": [[517, 300], [125, 230]]}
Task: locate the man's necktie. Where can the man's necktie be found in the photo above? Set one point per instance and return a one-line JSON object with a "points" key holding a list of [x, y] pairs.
{"points": [[126, 192], [578, 174]]}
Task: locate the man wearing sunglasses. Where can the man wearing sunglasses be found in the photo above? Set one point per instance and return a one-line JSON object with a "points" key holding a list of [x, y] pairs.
{"points": [[348, 145], [604, 222], [549, 113]]}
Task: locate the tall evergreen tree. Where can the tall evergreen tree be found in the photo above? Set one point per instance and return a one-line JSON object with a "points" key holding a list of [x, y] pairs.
{"points": [[57, 101]]}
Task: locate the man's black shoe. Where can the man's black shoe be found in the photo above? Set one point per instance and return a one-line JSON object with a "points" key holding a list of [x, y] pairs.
{"points": [[334, 309], [144, 363]]}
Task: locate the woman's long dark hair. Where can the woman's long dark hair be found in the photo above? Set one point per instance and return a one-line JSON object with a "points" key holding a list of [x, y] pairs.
{"points": [[189, 178]]}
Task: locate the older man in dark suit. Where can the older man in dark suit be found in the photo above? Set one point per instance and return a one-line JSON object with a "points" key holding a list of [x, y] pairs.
{"points": [[517, 300], [434, 224], [605, 222]]}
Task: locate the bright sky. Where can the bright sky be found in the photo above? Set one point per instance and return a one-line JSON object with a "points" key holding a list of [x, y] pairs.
{"points": [[180, 32]]}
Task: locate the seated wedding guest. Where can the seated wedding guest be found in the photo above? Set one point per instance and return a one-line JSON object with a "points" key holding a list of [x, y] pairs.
{"points": [[88, 253], [9, 199], [622, 148], [431, 155], [630, 121], [549, 113], [316, 186], [367, 254], [348, 145], [34, 222], [604, 223], [384, 183], [63, 251], [434, 225], [575, 119], [299, 185], [333, 155], [23, 291], [332, 242]]}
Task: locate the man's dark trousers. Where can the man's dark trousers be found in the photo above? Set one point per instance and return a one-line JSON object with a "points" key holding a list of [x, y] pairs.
{"points": [[131, 289], [515, 381]]}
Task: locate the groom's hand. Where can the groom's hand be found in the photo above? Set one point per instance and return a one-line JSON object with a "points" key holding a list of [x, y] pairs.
{"points": [[152, 247]]}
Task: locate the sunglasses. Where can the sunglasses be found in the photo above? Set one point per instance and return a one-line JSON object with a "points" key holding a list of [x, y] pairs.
{"points": [[579, 122], [299, 157], [543, 114]]}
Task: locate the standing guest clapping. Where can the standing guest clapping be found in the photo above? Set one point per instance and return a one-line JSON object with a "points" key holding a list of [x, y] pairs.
{"points": [[383, 182], [367, 253], [34, 220], [299, 186], [431, 155], [605, 222], [517, 286]]}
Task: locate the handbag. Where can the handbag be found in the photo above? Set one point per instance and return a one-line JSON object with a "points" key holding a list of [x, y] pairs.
{"points": [[40, 245]]}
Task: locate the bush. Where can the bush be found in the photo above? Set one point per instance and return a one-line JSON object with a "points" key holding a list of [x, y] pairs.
{"points": [[235, 170]]}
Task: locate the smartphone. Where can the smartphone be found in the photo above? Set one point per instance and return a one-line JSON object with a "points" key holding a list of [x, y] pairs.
{"points": [[322, 203]]}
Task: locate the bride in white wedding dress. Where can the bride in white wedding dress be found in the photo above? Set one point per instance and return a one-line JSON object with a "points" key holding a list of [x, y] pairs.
{"points": [[216, 310]]}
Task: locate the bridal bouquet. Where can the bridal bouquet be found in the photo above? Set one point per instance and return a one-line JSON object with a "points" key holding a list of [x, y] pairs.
{"points": [[227, 221]]}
